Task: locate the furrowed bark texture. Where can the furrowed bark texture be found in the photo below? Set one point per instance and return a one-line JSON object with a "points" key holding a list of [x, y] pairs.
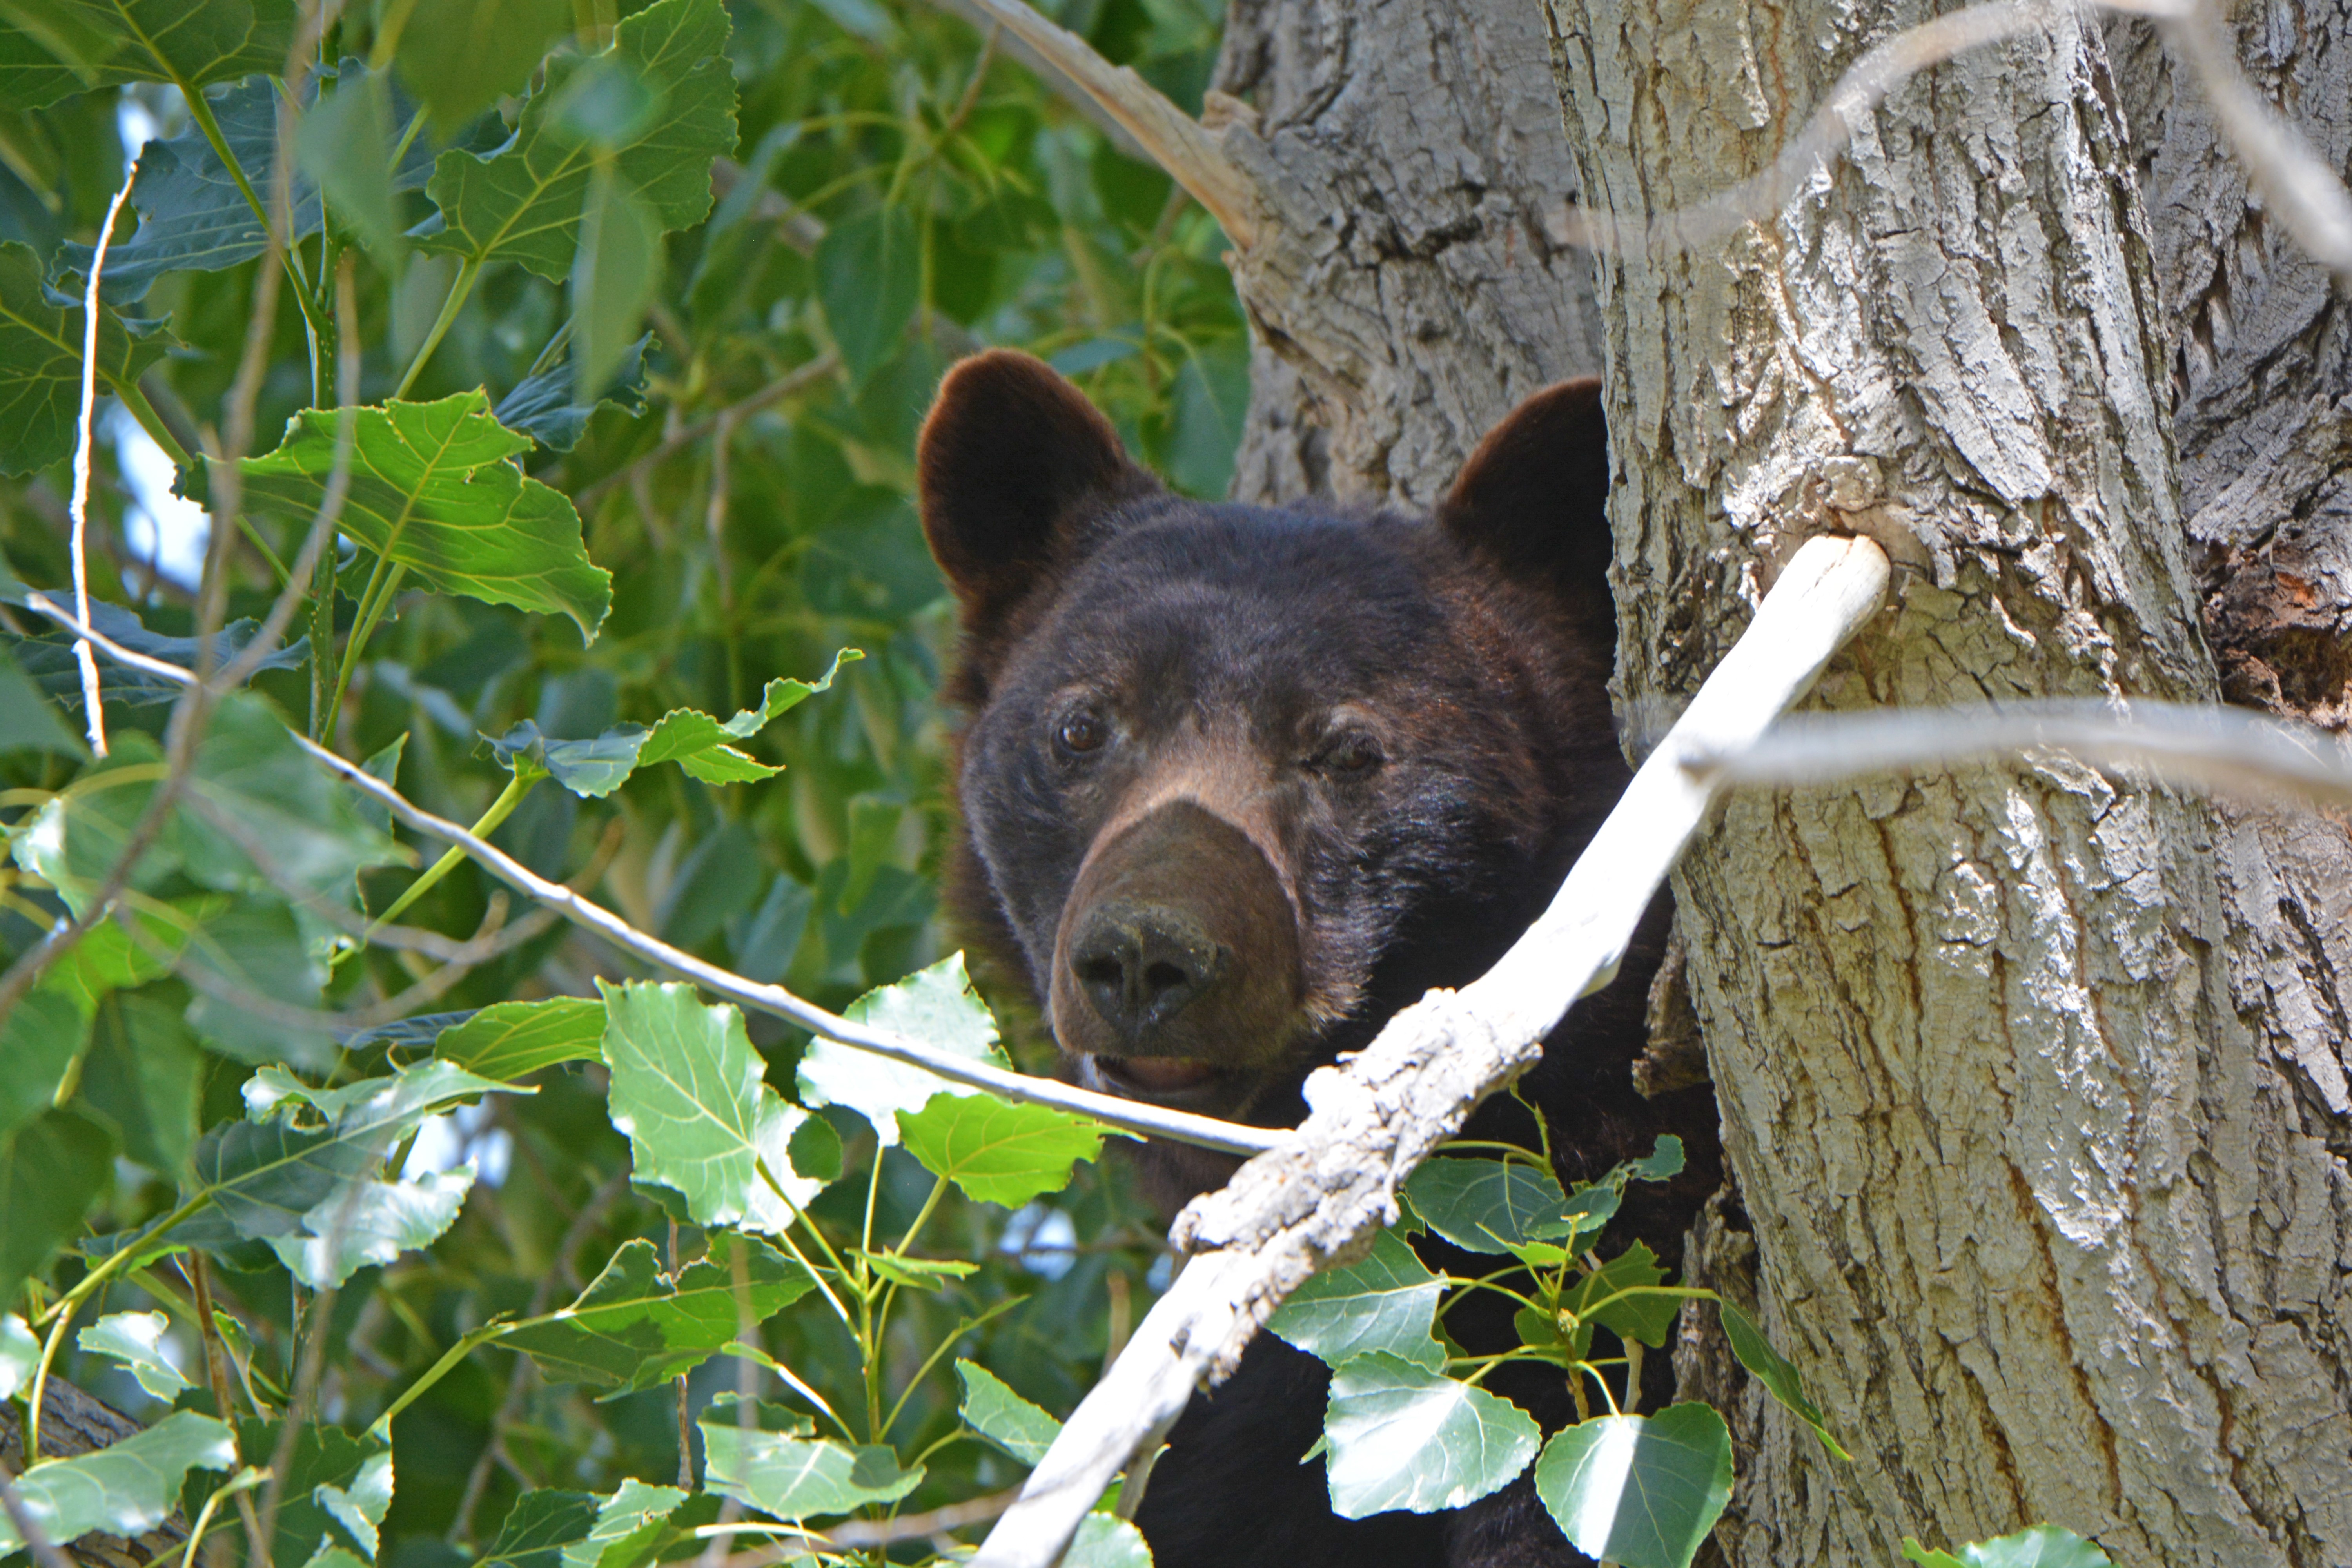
{"points": [[2035, 1210], [1408, 294]]}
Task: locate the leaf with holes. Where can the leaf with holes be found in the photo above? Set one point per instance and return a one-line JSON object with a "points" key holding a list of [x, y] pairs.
{"points": [[1639, 1490]]}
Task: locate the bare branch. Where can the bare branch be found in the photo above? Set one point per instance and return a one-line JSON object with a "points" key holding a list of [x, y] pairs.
{"points": [[1318, 1198], [78, 509]]}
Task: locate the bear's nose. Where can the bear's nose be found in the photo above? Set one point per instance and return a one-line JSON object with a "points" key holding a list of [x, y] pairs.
{"points": [[1140, 965]]}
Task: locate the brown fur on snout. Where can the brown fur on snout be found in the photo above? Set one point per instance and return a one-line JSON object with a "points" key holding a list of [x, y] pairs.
{"points": [[1210, 876]]}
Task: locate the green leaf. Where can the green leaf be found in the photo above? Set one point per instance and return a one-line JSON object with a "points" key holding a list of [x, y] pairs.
{"points": [[136, 1340], [345, 145], [545, 405], [869, 275], [251, 775], [461, 56], [255, 946], [591, 769], [338, 1489], [1639, 1490], [2044, 1546], [49, 659], [1776, 1372], [690, 1092], [1402, 1437], [703, 745], [1385, 1302], [52, 1169], [1646, 1318], [917, 1273], [110, 959], [189, 42], [799, 1478], [627, 1525], [1106, 1540], [540, 1528], [27, 722], [145, 1074], [1488, 1205], [524, 202], [635, 1326], [511, 1041], [20, 1355], [991, 1409], [937, 1006], [614, 275], [1663, 1163], [371, 1221], [435, 489], [41, 1040], [124, 1489], [996, 1150], [40, 373]]}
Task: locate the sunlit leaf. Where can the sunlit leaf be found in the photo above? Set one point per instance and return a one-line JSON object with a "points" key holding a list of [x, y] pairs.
{"points": [[690, 1093], [1640, 1491], [511, 1040], [627, 1525], [136, 1340], [705, 746], [1776, 1372], [52, 1169], [1483, 1205], [1663, 1163], [1106, 1540], [524, 202], [635, 1326], [435, 489], [1402, 1437], [1385, 1302], [936, 1007], [188, 42], [992, 1409], [996, 1150], [20, 1355], [124, 1489], [2044, 1546], [371, 1221], [799, 1478], [40, 361]]}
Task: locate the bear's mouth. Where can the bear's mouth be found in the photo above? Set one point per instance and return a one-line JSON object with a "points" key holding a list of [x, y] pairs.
{"points": [[1167, 1079]]}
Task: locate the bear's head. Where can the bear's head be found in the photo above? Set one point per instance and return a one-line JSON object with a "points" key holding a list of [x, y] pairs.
{"points": [[1238, 783]]}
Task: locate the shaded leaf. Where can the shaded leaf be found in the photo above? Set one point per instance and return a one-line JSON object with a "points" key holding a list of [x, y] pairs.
{"points": [[992, 1409], [1663, 1163], [460, 55], [799, 1478], [435, 489], [48, 659], [2044, 1546], [41, 360], [592, 768], [344, 145], [1486, 1206], [28, 722], [542, 405], [614, 275], [524, 202], [869, 275], [1776, 1372], [690, 1092], [136, 1340], [1639, 1490], [1402, 1437], [52, 1169], [937, 1006], [41, 1039], [145, 1075], [635, 1326], [337, 1489], [1385, 1302], [540, 1526], [996, 1150], [254, 946], [509, 1040], [124, 1489], [189, 42], [1646, 1318]]}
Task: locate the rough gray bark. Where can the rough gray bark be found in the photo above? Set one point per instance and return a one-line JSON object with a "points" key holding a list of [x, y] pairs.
{"points": [[2034, 1081]]}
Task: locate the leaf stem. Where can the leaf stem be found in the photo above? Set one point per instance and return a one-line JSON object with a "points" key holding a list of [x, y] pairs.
{"points": [[500, 809], [459, 288], [466, 1345], [383, 584], [150, 421], [200, 109]]}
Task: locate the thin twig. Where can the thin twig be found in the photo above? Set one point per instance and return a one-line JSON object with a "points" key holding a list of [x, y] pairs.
{"points": [[856, 1533], [94, 712], [776, 390]]}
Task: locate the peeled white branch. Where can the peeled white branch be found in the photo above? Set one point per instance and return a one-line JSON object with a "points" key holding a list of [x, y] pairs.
{"points": [[1319, 1197]]}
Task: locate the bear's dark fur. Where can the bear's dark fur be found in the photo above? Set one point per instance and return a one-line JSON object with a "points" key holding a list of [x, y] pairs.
{"points": [[1238, 783]]}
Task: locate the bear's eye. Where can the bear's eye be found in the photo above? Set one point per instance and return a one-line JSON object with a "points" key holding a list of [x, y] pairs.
{"points": [[1080, 732], [1351, 754]]}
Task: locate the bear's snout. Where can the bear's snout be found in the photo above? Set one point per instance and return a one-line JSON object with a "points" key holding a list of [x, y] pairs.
{"points": [[1176, 967]]}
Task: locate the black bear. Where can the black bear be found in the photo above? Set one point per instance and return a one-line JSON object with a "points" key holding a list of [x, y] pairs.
{"points": [[1239, 783]]}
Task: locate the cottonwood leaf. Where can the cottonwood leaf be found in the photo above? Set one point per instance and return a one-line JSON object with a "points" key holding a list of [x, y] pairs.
{"points": [[48, 661], [136, 1340], [1639, 1490], [628, 1525], [435, 488], [869, 274], [614, 273], [996, 1150], [338, 1489], [41, 1039], [936, 1007], [1776, 1372], [1386, 1300], [28, 722], [52, 1169], [109, 958], [145, 1074], [1486, 1205], [591, 769], [41, 360], [20, 1355], [2044, 1546], [538, 1529], [1106, 1540], [126, 1488], [1402, 1437], [545, 405], [799, 1478], [191, 43], [511, 1040], [524, 202], [704, 746], [690, 1094], [372, 1222], [1643, 1317], [460, 55], [991, 1409], [635, 1326]]}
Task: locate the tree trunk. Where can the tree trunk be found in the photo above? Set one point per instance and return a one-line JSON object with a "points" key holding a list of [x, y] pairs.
{"points": [[2032, 1080]]}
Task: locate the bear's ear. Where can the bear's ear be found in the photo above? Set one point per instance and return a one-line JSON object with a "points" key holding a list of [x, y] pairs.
{"points": [[1011, 461], [1534, 501]]}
